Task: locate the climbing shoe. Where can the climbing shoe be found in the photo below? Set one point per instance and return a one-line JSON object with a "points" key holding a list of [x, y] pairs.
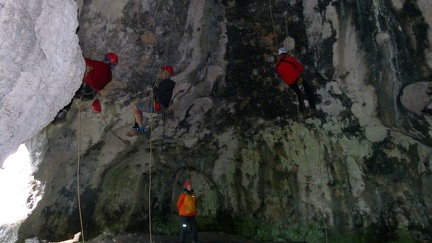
{"points": [[135, 132]]}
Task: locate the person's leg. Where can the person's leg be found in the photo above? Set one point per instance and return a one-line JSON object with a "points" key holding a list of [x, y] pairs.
{"points": [[296, 90], [138, 110], [137, 114], [310, 95], [138, 127], [183, 227], [194, 228]]}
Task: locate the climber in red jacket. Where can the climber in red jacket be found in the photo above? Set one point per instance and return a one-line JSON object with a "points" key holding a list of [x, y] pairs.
{"points": [[289, 69], [97, 75]]}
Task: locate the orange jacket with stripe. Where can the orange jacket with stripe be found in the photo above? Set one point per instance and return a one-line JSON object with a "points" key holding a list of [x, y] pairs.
{"points": [[186, 203], [289, 69]]}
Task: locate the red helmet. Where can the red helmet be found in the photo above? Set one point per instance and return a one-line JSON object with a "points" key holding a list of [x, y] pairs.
{"points": [[187, 183], [112, 58], [168, 69]]}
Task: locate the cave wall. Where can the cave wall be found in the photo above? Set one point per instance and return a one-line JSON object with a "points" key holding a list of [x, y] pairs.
{"points": [[360, 165], [41, 66]]}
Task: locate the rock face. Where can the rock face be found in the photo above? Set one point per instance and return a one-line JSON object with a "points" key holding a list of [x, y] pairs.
{"points": [[361, 166], [41, 65]]}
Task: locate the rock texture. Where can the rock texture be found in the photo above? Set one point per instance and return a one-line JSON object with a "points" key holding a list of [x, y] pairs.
{"points": [[41, 65], [360, 167]]}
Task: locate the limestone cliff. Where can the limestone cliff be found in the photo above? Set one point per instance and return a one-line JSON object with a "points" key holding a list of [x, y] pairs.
{"points": [[361, 167]]}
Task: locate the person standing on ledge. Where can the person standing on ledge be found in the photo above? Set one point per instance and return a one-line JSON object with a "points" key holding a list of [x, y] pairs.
{"points": [[187, 212], [289, 69]]}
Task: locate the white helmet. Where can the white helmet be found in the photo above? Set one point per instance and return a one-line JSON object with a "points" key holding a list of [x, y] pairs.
{"points": [[282, 50]]}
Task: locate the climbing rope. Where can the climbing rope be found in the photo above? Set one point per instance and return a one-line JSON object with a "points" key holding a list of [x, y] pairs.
{"points": [[152, 22], [300, 86], [78, 167], [163, 130], [151, 158], [274, 28], [286, 23], [277, 46], [106, 123], [150, 170]]}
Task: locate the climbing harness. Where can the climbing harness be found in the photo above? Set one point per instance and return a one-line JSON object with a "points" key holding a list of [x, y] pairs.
{"points": [[300, 84]]}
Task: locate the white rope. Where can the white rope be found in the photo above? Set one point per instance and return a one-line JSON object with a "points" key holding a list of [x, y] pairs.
{"points": [[274, 28], [152, 22], [78, 168]]}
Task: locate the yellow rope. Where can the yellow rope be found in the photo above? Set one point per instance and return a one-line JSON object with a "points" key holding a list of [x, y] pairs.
{"points": [[152, 22], [78, 168], [274, 28], [106, 123], [151, 159], [277, 45]]}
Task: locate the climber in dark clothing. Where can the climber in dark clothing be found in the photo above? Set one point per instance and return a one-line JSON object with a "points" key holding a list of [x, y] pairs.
{"points": [[162, 93], [289, 69]]}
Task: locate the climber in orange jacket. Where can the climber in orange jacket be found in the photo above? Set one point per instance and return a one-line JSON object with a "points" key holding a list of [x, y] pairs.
{"points": [[187, 211], [289, 69]]}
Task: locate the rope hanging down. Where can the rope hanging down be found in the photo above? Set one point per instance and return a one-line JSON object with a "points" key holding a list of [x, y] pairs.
{"points": [[151, 161], [152, 22], [78, 168], [106, 123], [274, 28]]}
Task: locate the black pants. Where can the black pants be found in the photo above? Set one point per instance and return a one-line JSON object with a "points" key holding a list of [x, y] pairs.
{"points": [[85, 92], [185, 220], [300, 95]]}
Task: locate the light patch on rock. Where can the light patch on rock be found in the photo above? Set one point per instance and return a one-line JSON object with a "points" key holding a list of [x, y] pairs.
{"points": [[428, 55], [364, 207], [112, 11], [148, 38], [289, 43], [382, 38], [213, 73], [425, 7], [332, 126], [314, 28], [327, 30], [330, 104], [376, 133], [415, 97], [194, 21], [355, 177], [398, 4]]}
